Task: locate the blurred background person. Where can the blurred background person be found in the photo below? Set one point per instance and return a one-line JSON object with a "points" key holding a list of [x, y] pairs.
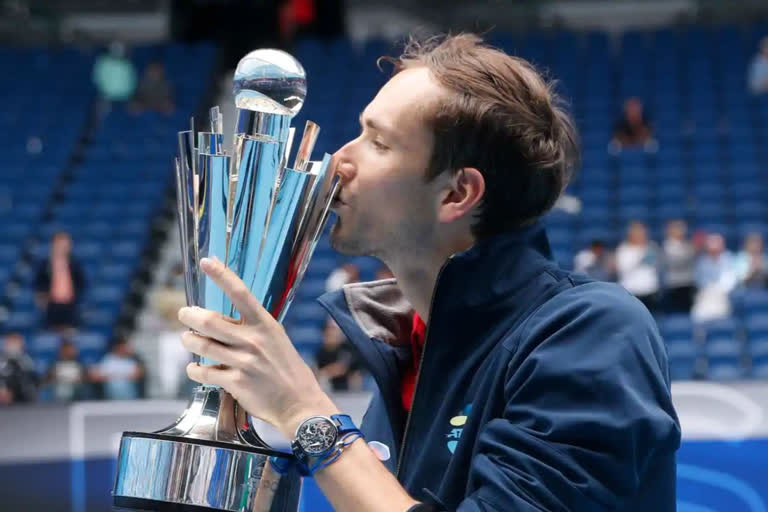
{"points": [[345, 274], [596, 261], [120, 372], [18, 378], [758, 70], [679, 264], [67, 376], [337, 362], [383, 272], [155, 92], [60, 282], [637, 260], [114, 76], [715, 278], [633, 129], [751, 262]]}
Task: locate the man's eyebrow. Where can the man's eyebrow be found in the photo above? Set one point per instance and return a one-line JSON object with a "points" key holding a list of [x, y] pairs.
{"points": [[370, 123]]}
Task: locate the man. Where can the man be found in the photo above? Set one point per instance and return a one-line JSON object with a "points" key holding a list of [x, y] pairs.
{"points": [[120, 372], [633, 129], [533, 389], [758, 70], [679, 261], [18, 379], [60, 283]]}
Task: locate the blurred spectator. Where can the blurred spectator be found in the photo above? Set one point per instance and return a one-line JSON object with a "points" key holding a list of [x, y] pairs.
{"points": [[758, 70], [637, 261], [596, 262], [18, 380], [114, 76], [345, 274], [120, 372], [172, 356], [67, 374], [383, 272], [679, 267], [60, 283], [752, 263], [633, 128], [337, 362], [715, 278], [155, 92]]}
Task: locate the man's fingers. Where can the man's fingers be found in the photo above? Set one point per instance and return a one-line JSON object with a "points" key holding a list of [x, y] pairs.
{"points": [[249, 307], [212, 324], [212, 349], [207, 374]]}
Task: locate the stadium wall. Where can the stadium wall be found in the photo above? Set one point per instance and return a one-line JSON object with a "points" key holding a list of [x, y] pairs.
{"points": [[62, 457]]}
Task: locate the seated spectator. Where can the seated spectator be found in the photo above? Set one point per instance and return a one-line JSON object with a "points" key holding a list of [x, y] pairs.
{"points": [[337, 362], [758, 70], [383, 272], [637, 261], [345, 274], [633, 128], [596, 262], [752, 263], [679, 266], [60, 283], [67, 374], [154, 93], [18, 379], [715, 278], [120, 372]]}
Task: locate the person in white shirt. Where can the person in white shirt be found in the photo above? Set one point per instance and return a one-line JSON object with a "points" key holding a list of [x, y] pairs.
{"points": [[637, 265], [758, 70], [715, 278], [679, 266], [120, 372]]}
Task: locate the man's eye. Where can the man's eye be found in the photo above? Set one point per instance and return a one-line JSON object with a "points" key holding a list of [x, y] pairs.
{"points": [[379, 145]]}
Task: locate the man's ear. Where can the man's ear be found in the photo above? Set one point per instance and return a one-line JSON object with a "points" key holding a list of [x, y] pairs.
{"points": [[463, 192]]}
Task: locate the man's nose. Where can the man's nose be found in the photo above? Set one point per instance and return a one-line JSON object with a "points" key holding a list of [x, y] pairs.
{"points": [[343, 164]]}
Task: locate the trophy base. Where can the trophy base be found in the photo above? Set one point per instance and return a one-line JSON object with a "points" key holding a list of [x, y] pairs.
{"points": [[167, 473], [203, 462], [124, 504]]}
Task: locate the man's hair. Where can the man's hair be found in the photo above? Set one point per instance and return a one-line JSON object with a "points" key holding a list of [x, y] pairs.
{"points": [[502, 118]]}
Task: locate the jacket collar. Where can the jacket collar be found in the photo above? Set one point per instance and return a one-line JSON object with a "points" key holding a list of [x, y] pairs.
{"points": [[476, 278]]}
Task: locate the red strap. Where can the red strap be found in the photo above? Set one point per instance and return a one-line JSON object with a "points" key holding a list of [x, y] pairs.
{"points": [[418, 333]]}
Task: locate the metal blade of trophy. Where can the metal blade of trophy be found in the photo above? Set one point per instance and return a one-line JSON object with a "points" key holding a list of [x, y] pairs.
{"points": [[189, 256], [213, 214], [273, 280], [181, 212], [258, 159], [315, 215], [209, 143]]}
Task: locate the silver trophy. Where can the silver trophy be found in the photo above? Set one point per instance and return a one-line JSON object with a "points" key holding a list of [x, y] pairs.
{"points": [[263, 219]]}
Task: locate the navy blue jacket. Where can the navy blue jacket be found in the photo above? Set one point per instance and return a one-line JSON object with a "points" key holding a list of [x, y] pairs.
{"points": [[539, 389]]}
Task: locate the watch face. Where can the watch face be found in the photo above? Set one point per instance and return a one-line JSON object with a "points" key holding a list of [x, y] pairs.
{"points": [[316, 435]]}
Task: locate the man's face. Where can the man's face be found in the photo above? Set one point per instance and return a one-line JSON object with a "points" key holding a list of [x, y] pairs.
{"points": [[14, 344], [385, 203]]}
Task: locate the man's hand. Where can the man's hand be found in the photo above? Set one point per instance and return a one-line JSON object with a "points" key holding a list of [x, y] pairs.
{"points": [[259, 365]]}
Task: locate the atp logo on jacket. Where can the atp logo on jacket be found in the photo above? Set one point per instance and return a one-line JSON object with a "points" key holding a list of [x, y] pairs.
{"points": [[457, 427]]}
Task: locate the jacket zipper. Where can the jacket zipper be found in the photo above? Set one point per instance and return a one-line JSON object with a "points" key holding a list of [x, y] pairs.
{"points": [[418, 377]]}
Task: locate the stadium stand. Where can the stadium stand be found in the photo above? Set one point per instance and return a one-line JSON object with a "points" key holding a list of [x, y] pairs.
{"points": [[104, 181], [709, 169]]}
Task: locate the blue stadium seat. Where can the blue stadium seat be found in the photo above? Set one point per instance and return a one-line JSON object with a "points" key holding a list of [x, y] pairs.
{"points": [[682, 361]]}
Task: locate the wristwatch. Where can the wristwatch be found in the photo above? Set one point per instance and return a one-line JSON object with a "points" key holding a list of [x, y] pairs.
{"points": [[319, 438]]}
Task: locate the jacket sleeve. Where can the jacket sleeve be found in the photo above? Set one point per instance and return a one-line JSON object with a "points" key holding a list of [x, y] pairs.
{"points": [[587, 410]]}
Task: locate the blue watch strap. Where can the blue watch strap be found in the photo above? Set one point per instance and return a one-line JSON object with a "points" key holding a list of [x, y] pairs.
{"points": [[344, 424]]}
